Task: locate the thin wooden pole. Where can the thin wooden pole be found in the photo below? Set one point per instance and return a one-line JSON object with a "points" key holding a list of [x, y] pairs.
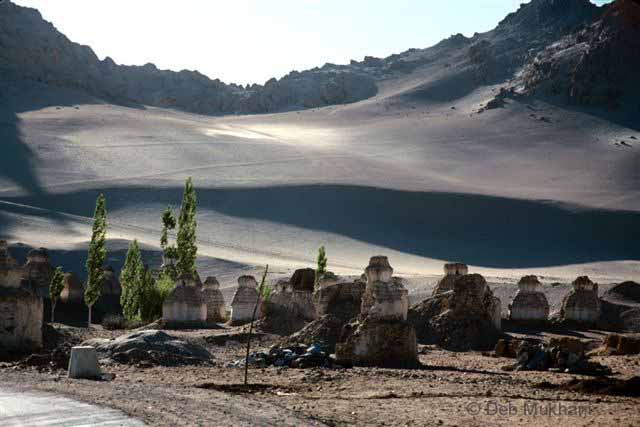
{"points": [[253, 316]]}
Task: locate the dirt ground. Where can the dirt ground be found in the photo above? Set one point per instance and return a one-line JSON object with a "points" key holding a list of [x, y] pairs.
{"points": [[452, 389]]}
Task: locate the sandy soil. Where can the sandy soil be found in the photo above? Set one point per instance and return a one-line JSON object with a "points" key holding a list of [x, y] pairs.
{"points": [[452, 389]]}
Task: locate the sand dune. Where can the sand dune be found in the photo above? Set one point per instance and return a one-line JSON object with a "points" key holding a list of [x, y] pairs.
{"points": [[421, 182]]}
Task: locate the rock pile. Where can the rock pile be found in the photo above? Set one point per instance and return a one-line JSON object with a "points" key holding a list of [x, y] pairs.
{"points": [[150, 347], [581, 304], [451, 272], [244, 301], [184, 306], [622, 343], [530, 303], [293, 356], [559, 355], [382, 337], [214, 300], [293, 299], [466, 318]]}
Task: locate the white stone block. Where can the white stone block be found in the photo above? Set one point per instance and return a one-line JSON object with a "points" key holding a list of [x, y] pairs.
{"points": [[83, 363]]}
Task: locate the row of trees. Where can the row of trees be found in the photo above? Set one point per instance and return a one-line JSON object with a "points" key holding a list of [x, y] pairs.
{"points": [[142, 295]]}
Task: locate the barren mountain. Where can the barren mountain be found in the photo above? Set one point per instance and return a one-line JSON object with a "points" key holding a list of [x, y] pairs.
{"points": [[516, 150]]}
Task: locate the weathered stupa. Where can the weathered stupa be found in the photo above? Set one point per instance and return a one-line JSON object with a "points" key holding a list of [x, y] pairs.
{"points": [[530, 303], [294, 298], [11, 273], [38, 271], [73, 291], [581, 304], [382, 337], [465, 318], [214, 299], [451, 272], [244, 300], [110, 283], [184, 305], [21, 310]]}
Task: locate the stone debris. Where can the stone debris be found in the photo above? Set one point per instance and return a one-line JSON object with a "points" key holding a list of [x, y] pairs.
{"points": [[214, 300], [581, 304], [150, 347], [83, 363], [244, 301], [451, 272], [293, 356], [622, 344], [324, 331], [184, 306], [530, 303], [381, 336], [466, 318], [567, 355]]}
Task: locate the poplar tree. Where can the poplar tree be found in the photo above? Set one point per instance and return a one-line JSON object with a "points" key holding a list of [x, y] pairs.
{"points": [[186, 239], [130, 279], [55, 289], [168, 251], [96, 255], [322, 265]]}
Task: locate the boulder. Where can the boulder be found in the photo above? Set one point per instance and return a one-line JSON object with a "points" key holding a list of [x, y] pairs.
{"points": [[214, 300], [245, 300], [184, 306], [581, 304], [530, 303]]}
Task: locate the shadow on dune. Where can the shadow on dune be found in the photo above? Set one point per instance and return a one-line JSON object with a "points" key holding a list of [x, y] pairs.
{"points": [[17, 159], [476, 229]]}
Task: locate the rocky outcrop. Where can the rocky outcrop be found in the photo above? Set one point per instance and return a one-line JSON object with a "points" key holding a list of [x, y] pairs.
{"points": [[581, 304], [184, 306], [596, 65], [530, 303], [466, 318], [382, 336]]}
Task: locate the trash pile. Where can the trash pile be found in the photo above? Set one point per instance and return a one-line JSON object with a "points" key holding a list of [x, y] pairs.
{"points": [[558, 355], [293, 356]]}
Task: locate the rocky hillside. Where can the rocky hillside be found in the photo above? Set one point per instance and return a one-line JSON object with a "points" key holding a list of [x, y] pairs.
{"points": [[569, 49], [32, 49], [597, 65]]}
